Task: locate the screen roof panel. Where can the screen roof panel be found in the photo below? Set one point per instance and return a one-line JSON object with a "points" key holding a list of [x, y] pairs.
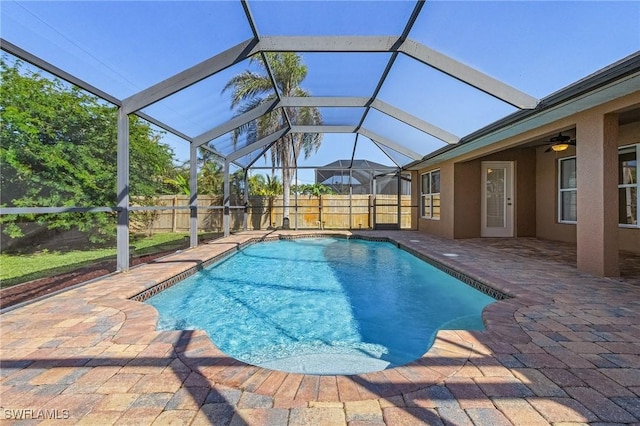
{"points": [[366, 149], [251, 158], [123, 47], [331, 17], [535, 46], [334, 116], [397, 158], [401, 133], [200, 107], [226, 145], [439, 99], [343, 74], [335, 146]]}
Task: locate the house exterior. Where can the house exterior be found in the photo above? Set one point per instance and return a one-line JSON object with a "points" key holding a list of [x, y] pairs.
{"points": [[503, 181]]}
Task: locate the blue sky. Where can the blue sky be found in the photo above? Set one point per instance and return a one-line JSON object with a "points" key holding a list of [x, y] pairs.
{"points": [[536, 46]]}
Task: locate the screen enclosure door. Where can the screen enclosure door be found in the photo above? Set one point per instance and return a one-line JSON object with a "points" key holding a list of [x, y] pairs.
{"points": [[386, 201]]}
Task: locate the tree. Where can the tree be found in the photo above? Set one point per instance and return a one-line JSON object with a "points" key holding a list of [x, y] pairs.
{"points": [[270, 188], [180, 182], [316, 189], [210, 178], [256, 184], [236, 184], [58, 149], [250, 89]]}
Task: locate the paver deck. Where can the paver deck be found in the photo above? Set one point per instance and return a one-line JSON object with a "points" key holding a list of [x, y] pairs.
{"points": [[565, 348]]}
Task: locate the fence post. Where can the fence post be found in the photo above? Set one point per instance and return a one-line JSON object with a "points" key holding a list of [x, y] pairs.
{"points": [[369, 203], [174, 216]]}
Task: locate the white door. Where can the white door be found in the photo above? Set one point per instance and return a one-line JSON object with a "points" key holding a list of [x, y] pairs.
{"points": [[497, 199]]}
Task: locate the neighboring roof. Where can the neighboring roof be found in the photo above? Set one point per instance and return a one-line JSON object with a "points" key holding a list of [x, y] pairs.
{"points": [[618, 79], [355, 164]]}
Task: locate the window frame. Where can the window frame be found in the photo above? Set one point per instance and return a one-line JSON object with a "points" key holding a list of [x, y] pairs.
{"points": [[562, 190], [428, 193], [631, 185]]}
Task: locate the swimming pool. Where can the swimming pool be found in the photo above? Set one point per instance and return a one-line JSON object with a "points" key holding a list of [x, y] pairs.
{"points": [[321, 305]]}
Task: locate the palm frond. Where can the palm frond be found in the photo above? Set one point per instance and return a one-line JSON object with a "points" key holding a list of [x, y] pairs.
{"points": [[251, 88], [246, 86]]}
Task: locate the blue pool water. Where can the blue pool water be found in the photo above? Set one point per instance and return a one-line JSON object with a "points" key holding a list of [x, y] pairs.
{"points": [[321, 306]]}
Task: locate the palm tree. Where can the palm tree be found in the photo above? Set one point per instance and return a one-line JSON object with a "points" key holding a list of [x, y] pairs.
{"points": [[252, 88], [210, 178], [180, 183], [256, 184], [271, 189]]}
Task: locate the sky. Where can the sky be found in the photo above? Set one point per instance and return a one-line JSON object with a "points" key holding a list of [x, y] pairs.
{"points": [[538, 47]]}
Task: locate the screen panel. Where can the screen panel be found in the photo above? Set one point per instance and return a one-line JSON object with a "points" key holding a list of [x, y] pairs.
{"points": [[153, 41]]}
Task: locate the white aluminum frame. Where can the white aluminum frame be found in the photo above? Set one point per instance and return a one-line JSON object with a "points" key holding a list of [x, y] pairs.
{"points": [[430, 195], [561, 189], [632, 185]]}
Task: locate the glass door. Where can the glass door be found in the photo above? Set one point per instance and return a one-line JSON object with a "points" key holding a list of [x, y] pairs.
{"points": [[497, 199]]}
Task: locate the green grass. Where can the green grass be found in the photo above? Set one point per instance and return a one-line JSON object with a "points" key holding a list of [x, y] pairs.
{"points": [[16, 269]]}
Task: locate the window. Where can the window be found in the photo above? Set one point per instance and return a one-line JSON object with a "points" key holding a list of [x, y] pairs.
{"points": [[628, 185], [430, 191], [567, 190]]}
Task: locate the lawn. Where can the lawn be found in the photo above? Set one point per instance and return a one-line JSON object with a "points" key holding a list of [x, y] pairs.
{"points": [[16, 269]]}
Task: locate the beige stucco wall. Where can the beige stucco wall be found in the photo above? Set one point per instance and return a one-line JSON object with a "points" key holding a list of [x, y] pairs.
{"points": [[629, 239], [548, 227], [547, 196], [444, 226], [524, 160], [536, 183], [467, 203], [629, 134], [415, 199], [460, 185]]}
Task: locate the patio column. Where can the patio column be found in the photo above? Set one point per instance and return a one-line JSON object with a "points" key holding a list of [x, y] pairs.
{"points": [[597, 165], [122, 183], [193, 197]]}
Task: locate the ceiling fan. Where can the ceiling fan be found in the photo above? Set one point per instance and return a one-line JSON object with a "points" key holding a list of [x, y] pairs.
{"points": [[559, 143]]}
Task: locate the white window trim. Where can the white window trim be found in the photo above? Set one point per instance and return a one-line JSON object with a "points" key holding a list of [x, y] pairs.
{"points": [[561, 190], [430, 194], [632, 185]]}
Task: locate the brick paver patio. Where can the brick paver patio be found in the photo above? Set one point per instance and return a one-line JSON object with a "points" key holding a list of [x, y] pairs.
{"points": [[564, 349]]}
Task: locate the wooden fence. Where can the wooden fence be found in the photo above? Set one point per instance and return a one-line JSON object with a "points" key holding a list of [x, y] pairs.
{"points": [[326, 211]]}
